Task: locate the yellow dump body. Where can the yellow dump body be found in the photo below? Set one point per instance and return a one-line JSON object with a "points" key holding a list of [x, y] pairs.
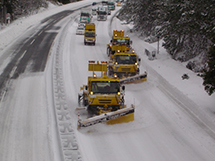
{"points": [[119, 42], [90, 34], [118, 33]]}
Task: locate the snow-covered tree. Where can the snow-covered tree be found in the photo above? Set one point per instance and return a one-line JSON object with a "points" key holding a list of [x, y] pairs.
{"points": [[184, 25], [25, 7], [143, 13], [209, 77]]}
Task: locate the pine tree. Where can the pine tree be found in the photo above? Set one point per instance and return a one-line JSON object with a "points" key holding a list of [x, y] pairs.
{"points": [[209, 77], [143, 13], [183, 24]]}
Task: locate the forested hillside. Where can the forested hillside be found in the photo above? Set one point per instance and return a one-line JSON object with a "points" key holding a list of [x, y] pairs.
{"points": [[18, 8], [187, 28]]}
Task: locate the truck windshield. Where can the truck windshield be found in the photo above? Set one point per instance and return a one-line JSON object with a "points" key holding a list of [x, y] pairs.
{"points": [[90, 34], [102, 13], [85, 14], [111, 3], [126, 59], [121, 41], [105, 86]]}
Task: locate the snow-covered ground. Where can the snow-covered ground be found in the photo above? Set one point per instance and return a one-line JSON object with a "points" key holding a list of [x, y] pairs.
{"points": [[174, 118]]}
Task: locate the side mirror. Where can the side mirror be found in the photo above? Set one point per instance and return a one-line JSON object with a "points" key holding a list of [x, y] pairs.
{"points": [[110, 40], [123, 88], [139, 59], [86, 87]]}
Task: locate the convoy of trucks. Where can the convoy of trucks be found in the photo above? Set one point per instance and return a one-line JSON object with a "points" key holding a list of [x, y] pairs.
{"points": [[103, 96]]}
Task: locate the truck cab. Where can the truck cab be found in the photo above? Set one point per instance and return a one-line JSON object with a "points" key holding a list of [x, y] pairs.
{"points": [[85, 17], [119, 42], [111, 6], [90, 34], [104, 98], [102, 14], [102, 93], [124, 64]]}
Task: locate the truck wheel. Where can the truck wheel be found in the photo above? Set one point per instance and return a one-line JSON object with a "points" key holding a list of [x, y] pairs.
{"points": [[110, 71], [85, 102], [138, 71], [108, 51], [79, 99], [92, 111]]}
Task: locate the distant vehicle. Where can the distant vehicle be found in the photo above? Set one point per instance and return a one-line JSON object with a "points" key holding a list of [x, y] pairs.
{"points": [[111, 6], [81, 24], [94, 3], [102, 14], [104, 3], [90, 34], [94, 9], [118, 3], [109, 12], [84, 20], [80, 30], [85, 17]]}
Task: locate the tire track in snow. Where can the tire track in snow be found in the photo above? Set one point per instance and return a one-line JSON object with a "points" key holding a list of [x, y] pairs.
{"points": [[67, 139]]}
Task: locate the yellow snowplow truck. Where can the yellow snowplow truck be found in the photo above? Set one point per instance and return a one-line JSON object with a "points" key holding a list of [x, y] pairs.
{"points": [[90, 34], [104, 98], [126, 66], [118, 42]]}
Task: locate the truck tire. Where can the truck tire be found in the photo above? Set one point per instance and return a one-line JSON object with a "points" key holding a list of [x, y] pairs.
{"points": [[92, 111], [85, 102], [110, 71], [79, 99], [108, 51]]}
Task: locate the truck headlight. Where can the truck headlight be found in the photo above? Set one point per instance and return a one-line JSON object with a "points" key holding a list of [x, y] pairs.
{"points": [[91, 93]]}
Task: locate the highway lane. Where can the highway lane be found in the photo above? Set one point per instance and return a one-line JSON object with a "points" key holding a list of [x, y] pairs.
{"points": [[28, 128], [31, 51]]}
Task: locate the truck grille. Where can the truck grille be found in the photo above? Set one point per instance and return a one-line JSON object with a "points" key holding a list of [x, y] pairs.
{"points": [[105, 101], [125, 69], [89, 40]]}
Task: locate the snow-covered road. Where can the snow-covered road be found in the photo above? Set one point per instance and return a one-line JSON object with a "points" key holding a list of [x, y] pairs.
{"points": [[162, 130], [169, 123]]}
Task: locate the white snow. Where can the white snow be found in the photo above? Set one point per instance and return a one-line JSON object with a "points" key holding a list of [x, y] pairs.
{"points": [[174, 118]]}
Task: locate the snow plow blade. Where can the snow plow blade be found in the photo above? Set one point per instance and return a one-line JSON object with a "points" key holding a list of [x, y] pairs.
{"points": [[134, 79], [119, 116]]}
